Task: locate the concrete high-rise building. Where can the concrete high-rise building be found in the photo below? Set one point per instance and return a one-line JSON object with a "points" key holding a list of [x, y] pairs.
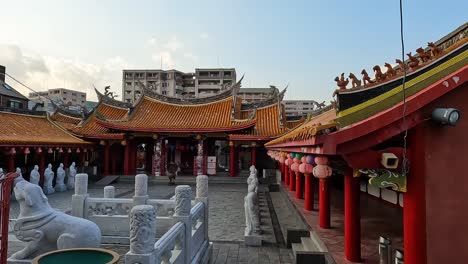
{"points": [[73, 100], [174, 83], [299, 108], [250, 95]]}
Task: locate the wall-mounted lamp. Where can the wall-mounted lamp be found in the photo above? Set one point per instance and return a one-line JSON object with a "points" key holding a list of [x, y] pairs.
{"points": [[446, 116]]}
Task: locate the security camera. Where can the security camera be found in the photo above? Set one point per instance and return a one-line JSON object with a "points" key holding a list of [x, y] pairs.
{"points": [[389, 160], [446, 116]]}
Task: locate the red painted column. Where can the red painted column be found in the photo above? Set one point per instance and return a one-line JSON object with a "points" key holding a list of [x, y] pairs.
{"points": [[286, 174], [254, 154], [127, 158], [292, 180], [414, 210], [309, 193], [11, 163], [324, 204], [352, 221], [232, 160], [163, 157], [41, 167], [66, 159], [298, 185], [106, 158]]}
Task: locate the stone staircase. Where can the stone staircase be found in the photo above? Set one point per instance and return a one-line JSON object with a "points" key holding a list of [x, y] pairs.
{"points": [[311, 250]]}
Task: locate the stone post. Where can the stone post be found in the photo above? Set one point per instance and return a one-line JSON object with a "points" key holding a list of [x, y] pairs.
{"points": [[183, 196], [142, 235], [141, 189], [81, 193], [202, 196], [109, 192]]}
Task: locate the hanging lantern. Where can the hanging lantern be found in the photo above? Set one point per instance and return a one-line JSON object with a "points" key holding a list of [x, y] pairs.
{"points": [[306, 168], [60, 150], [13, 151], [69, 150], [298, 155], [26, 152], [50, 151], [85, 150], [292, 155], [78, 150], [322, 170], [39, 150], [123, 143], [310, 159]]}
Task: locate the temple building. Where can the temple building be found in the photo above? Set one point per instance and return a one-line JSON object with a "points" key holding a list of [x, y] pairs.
{"points": [[216, 135], [398, 138]]}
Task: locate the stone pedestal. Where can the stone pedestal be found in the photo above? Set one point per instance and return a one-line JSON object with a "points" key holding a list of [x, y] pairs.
{"points": [[253, 240], [19, 261]]}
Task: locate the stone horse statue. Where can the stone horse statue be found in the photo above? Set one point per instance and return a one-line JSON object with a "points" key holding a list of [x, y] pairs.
{"points": [[45, 229]]}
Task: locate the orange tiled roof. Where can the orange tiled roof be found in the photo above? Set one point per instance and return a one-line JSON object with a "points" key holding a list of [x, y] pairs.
{"points": [[89, 128], [19, 129], [152, 115], [65, 121], [308, 129], [267, 125], [295, 123]]}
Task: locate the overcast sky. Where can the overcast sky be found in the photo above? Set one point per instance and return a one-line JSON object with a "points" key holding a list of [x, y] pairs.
{"points": [[76, 44]]}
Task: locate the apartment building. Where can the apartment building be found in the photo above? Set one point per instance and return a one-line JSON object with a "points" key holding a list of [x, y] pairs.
{"points": [[299, 108], [174, 83], [74, 100], [250, 95]]}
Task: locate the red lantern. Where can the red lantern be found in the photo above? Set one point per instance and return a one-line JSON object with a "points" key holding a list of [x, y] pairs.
{"points": [[50, 151], [78, 150], [39, 150], [60, 150], [69, 150], [306, 168], [13, 151], [27, 151], [322, 170]]}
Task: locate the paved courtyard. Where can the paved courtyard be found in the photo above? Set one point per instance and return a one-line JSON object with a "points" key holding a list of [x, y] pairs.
{"points": [[226, 222]]}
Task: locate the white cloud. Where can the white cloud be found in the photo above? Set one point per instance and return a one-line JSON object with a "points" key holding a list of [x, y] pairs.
{"points": [[173, 44], [204, 36], [172, 54], [46, 72]]}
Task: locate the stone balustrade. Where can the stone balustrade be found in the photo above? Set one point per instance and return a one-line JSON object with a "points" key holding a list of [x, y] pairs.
{"points": [[186, 241]]}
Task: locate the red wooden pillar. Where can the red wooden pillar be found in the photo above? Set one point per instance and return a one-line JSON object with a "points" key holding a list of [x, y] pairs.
{"points": [[11, 163], [298, 185], [309, 192], [414, 210], [232, 160], [324, 204], [163, 158], [352, 221], [292, 180], [106, 158], [41, 166], [205, 157], [254, 154], [66, 158], [286, 174], [127, 158]]}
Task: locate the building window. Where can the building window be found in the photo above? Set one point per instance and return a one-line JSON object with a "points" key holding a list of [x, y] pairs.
{"points": [[74, 100], [164, 92], [73, 94], [128, 101], [15, 104], [64, 99], [64, 92]]}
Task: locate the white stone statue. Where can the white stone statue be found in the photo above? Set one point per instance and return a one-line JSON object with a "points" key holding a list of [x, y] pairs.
{"points": [[59, 182], [252, 221], [34, 176], [44, 228], [1, 173], [48, 179], [252, 179], [71, 177]]}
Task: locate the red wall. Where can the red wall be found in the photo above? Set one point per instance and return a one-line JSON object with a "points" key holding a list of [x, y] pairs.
{"points": [[447, 182]]}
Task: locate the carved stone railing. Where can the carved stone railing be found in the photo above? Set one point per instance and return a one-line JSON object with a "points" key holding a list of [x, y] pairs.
{"points": [[186, 241], [112, 215]]}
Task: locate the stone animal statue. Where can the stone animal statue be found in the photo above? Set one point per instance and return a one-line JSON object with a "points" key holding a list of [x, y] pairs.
{"points": [[401, 65], [414, 62], [71, 176], [436, 51], [48, 179], [390, 71], [423, 55], [379, 75], [34, 176], [60, 181], [365, 78], [44, 228], [355, 82]]}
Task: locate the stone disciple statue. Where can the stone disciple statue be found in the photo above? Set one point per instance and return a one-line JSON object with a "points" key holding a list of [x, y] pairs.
{"points": [[44, 229], [71, 177], [48, 179], [252, 220], [252, 179], [34, 176], [59, 182]]}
